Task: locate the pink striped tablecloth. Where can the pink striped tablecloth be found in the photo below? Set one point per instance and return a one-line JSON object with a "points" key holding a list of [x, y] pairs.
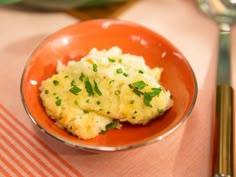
{"points": [[28, 155], [26, 151]]}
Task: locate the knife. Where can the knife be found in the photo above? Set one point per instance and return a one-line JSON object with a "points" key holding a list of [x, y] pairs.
{"points": [[224, 108]]}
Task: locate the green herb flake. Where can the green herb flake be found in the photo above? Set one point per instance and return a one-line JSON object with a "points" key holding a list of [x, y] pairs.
{"points": [[140, 71], [81, 77], [120, 60], [111, 81], [112, 60], [88, 87], [119, 71], [55, 82], [87, 101], [66, 76], [76, 102], [137, 92], [157, 91], [131, 86], [117, 92], [125, 74], [72, 82], [110, 126], [160, 111], [95, 67], [58, 102], [96, 89], [86, 111], [75, 90], [147, 99], [148, 96], [98, 102], [46, 92], [131, 101], [139, 85]]}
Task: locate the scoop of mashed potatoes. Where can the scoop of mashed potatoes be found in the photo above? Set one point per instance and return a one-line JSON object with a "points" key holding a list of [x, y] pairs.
{"points": [[102, 90]]}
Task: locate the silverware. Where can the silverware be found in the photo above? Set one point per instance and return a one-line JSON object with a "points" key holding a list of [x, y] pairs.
{"points": [[224, 13]]}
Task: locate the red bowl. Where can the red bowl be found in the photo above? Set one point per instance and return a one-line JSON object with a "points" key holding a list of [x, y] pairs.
{"points": [[74, 42]]}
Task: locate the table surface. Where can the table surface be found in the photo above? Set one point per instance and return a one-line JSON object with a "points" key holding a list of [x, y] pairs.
{"points": [[26, 151]]}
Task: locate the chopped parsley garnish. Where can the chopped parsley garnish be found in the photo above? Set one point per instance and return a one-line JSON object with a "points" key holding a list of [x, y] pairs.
{"points": [[46, 91], [117, 92], [55, 82], [109, 127], [75, 90], [87, 101], [140, 71], [131, 101], [119, 71], [76, 102], [134, 116], [111, 81], [120, 60], [95, 67], [72, 82], [147, 99], [86, 111], [98, 102], [148, 96], [157, 91], [81, 77], [58, 102], [135, 90], [88, 87], [160, 111], [139, 84], [125, 74], [96, 89], [112, 60]]}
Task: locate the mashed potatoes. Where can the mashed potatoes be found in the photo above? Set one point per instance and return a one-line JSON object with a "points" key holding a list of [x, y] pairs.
{"points": [[102, 90]]}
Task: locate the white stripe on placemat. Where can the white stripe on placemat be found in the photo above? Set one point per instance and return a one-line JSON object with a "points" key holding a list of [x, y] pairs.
{"points": [[23, 152]]}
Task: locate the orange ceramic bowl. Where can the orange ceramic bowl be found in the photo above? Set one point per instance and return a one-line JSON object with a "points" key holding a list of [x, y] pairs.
{"points": [[74, 42]]}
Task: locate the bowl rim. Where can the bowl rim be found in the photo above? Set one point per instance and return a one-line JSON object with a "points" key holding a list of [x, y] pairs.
{"points": [[96, 148]]}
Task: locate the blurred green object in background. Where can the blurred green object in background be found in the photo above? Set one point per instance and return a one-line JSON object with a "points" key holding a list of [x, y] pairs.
{"points": [[61, 4], [9, 1], [100, 2]]}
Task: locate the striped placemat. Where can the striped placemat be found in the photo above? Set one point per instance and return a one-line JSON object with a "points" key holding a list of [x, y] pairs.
{"points": [[23, 153]]}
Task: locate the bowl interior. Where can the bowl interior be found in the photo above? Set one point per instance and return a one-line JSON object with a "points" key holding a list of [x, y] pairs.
{"points": [[74, 42]]}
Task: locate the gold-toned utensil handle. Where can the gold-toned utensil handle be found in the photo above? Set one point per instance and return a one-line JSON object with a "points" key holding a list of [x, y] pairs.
{"points": [[224, 129]]}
